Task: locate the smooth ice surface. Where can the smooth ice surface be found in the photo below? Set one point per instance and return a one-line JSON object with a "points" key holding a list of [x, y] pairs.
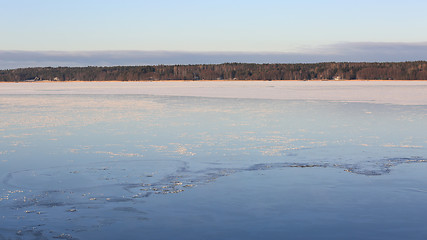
{"points": [[104, 161], [395, 92]]}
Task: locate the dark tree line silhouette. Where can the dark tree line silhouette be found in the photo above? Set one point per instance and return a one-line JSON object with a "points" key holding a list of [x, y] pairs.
{"points": [[227, 71]]}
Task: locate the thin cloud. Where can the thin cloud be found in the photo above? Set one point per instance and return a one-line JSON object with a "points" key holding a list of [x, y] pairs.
{"points": [[348, 52], [374, 51]]}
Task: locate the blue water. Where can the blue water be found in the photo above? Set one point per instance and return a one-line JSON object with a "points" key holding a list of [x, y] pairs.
{"points": [[153, 167]]}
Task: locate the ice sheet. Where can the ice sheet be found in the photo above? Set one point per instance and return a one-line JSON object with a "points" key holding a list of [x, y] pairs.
{"points": [[393, 92]]}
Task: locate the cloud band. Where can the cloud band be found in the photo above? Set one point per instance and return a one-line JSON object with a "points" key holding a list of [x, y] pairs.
{"points": [[342, 52]]}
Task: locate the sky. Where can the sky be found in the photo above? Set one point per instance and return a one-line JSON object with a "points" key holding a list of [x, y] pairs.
{"points": [[95, 32]]}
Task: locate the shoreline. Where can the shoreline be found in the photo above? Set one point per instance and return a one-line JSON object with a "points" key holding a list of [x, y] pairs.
{"points": [[134, 81]]}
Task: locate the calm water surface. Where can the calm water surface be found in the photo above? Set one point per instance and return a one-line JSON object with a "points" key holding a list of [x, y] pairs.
{"points": [[159, 167]]}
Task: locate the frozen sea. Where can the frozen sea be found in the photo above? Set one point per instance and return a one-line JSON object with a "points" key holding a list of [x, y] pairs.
{"points": [[213, 160]]}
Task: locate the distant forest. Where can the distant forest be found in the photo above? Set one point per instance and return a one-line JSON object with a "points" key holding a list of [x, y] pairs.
{"points": [[227, 71]]}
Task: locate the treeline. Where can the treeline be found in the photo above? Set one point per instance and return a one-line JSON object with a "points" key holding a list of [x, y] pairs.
{"points": [[227, 71]]}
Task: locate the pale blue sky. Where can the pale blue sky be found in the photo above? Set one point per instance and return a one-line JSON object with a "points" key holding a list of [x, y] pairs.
{"points": [[328, 30], [221, 25]]}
